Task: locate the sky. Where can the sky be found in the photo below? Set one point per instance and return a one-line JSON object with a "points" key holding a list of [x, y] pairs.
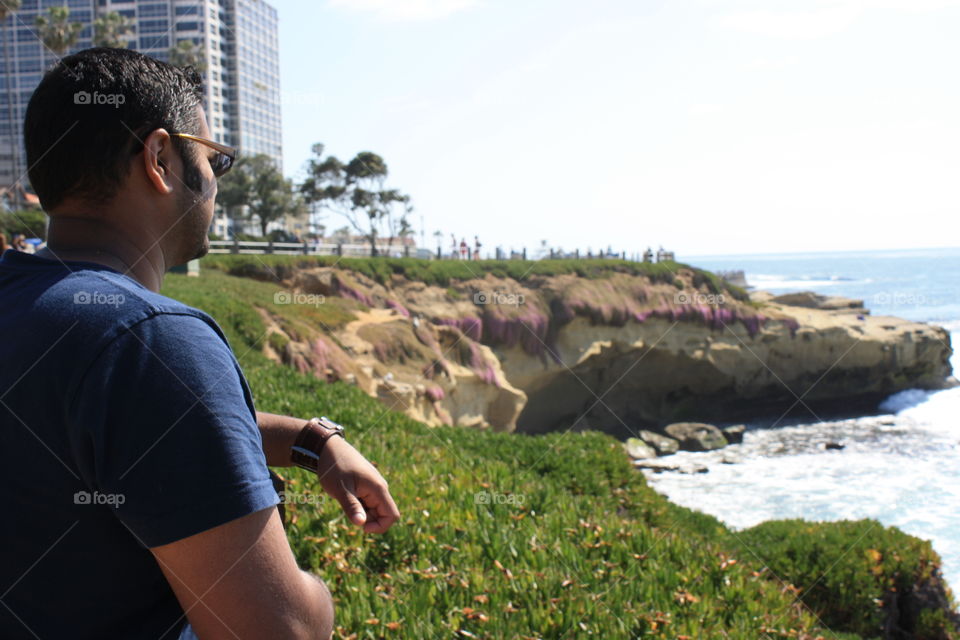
{"points": [[709, 127]]}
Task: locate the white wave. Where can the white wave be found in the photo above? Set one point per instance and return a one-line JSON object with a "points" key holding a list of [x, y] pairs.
{"points": [[939, 412], [904, 400], [902, 471], [762, 281]]}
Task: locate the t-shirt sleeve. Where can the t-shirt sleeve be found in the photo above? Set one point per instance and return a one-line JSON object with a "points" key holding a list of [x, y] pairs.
{"points": [[171, 430]]}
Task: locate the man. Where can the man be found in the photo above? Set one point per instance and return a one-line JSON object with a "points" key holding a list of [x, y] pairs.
{"points": [[134, 467]]}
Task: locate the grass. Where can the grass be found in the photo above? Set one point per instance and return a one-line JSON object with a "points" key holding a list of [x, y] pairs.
{"points": [[443, 272], [512, 536]]}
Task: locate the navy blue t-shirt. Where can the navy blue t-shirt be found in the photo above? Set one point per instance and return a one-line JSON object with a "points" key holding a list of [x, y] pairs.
{"points": [[125, 423]]}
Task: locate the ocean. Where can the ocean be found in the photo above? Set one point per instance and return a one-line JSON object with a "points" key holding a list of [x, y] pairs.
{"points": [[900, 466]]}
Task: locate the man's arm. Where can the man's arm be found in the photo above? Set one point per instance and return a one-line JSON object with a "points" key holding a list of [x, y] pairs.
{"points": [[240, 580], [344, 473], [278, 434]]}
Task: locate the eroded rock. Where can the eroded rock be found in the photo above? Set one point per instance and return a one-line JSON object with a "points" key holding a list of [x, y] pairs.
{"points": [[697, 436]]}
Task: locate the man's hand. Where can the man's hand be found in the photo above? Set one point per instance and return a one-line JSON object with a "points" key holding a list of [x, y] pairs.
{"points": [[356, 484]]}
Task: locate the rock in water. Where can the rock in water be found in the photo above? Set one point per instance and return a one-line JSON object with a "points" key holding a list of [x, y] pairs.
{"points": [[734, 434], [697, 436], [638, 449], [664, 445], [659, 466]]}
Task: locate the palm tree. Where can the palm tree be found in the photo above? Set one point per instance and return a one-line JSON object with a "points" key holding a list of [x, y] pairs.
{"points": [[56, 31], [187, 54], [7, 9], [109, 30]]}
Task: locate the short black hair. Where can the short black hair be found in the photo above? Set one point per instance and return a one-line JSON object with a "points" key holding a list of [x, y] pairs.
{"points": [[91, 112]]}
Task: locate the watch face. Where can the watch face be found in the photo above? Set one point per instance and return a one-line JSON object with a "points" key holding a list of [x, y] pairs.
{"points": [[330, 424]]}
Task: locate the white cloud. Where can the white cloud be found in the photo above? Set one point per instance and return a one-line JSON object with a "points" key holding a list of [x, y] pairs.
{"points": [[772, 64], [828, 17], [406, 10], [704, 109], [795, 25]]}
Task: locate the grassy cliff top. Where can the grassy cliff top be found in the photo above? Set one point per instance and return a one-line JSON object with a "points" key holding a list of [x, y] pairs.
{"points": [[443, 272]]}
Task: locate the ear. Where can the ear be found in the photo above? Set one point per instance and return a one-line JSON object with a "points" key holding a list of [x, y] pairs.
{"points": [[158, 158]]}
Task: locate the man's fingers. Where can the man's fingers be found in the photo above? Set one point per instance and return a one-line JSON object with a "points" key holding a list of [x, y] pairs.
{"points": [[351, 504], [382, 510]]}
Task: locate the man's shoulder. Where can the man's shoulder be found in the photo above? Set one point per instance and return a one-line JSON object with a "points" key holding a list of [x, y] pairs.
{"points": [[103, 304]]}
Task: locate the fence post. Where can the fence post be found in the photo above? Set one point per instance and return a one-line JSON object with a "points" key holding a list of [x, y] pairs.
{"points": [[576, 253], [524, 253], [306, 248], [236, 246], [406, 251], [339, 249], [439, 256]]}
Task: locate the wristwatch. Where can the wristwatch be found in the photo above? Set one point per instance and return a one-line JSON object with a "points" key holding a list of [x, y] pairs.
{"points": [[305, 452]]}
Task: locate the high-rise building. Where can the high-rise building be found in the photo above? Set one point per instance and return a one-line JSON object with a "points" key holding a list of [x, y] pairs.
{"points": [[235, 42]]}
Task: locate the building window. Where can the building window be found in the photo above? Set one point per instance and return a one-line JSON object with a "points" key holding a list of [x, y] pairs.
{"points": [[155, 42], [152, 10], [153, 26]]}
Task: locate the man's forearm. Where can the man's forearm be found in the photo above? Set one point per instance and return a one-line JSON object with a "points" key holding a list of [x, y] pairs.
{"points": [[278, 434]]}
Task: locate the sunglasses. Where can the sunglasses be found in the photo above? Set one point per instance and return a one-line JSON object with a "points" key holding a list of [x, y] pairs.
{"points": [[221, 162]]}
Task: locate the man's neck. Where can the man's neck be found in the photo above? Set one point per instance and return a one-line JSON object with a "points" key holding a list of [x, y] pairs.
{"points": [[90, 240]]}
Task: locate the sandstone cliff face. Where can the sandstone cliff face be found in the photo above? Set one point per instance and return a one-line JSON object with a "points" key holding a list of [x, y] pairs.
{"points": [[616, 353], [661, 371]]}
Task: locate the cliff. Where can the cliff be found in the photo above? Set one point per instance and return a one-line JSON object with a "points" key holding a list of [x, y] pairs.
{"points": [[613, 351]]}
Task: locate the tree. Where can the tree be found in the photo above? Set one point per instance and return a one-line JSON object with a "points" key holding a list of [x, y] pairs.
{"points": [[188, 54], [274, 199], [256, 183], [341, 235], [56, 31], [109, 30], [7, 9], [356, 191], [235, 189]]}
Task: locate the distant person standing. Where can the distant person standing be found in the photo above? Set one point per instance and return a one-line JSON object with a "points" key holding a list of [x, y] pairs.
{"points": [[463, 249], [476, 247], [453, 247]]}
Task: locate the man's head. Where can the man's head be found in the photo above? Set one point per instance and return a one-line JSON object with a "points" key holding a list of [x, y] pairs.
{"points": [[98, 136]]}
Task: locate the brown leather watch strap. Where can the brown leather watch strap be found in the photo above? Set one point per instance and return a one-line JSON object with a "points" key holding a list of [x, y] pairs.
{"points": [[311, 440]]}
